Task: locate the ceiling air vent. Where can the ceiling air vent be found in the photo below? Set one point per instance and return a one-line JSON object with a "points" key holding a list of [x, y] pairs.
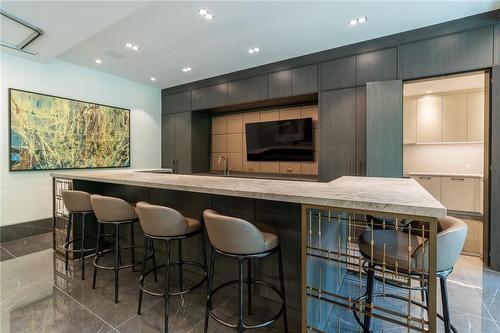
{"points": [[17, 34]]}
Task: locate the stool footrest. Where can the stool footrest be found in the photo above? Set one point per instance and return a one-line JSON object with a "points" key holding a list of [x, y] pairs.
{"points": [[112, 250]]}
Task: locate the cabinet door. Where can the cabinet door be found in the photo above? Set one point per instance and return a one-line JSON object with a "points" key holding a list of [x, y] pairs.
{"points": [[459, 193], [410, 120], [454, 118], [217, 95], [200, 98], [183, 141], [257, 88], [361, 131], [338, 73], [475, 117], [384, 129], [431, 183], [168, 141], [236, 91], [280, 84], [176, 102], [376, 66], [305, 80], [338, 134], [429, 119]]}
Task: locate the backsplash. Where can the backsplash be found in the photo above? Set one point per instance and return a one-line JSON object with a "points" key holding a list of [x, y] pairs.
{"points": [[228, 139]]}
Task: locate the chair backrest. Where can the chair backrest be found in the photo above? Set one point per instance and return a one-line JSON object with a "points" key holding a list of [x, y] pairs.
{"points": [[232, 235], [450, 242], [161, 221], [77, 201], [111, 209]]}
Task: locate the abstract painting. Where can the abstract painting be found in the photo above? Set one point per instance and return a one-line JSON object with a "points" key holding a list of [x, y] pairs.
{"points": [[50, 132]]}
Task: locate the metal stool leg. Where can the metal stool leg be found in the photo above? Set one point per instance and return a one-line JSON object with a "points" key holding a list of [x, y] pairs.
{"points": [[82, 249], [369, 300], [68, 231], [204, 255], [99, 227], [209, 288], [132, 246], [167, 282], [282, 286], [249, 286], [141, 280], [117, 258], [154, 260], [242, 282], [444, 299], [180, 263]]}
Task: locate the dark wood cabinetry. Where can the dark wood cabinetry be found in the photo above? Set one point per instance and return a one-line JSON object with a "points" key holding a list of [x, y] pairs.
{"points": [[200, 98], [338, 73], [176, 141], [361, 131], [179, 102], [256, 88], [236, 92], [376, 66], [209, 97], [280, 84], [454, 53], [496, 56], [338, 134], [305, 80]]}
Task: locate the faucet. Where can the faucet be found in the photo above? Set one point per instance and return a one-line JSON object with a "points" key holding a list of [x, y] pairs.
{"points": [[224, 160]]}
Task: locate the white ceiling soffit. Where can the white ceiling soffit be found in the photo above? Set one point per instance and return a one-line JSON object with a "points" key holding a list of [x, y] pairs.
{"points": [[441, 85], [172, 35]]}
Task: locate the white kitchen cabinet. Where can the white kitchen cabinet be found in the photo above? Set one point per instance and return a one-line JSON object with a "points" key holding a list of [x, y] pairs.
{"points": [[431, 183], [454, 126], [459, 193], [479, 195], [410, 120], [475, 117], [429, 114]]}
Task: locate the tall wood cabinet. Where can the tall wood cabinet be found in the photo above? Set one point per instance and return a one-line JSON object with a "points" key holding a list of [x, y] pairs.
{"points": [[176, 141]]}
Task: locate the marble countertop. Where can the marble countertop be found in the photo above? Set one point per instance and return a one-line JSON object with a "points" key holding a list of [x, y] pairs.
{"points": [[385, 195], [445, 174]]}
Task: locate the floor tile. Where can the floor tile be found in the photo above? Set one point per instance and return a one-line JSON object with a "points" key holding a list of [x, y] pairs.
{"points": [[27, 245]]}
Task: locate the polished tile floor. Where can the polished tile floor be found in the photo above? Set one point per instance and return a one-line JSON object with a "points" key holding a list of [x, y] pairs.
{"points": [[37, 295]]}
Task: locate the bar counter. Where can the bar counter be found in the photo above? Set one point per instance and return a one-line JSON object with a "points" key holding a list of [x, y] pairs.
{"points": [[313, 218]]}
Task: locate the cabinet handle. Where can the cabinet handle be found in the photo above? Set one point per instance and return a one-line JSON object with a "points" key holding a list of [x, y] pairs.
{"points": [[289, 170], [424, 177], [458, 179]]}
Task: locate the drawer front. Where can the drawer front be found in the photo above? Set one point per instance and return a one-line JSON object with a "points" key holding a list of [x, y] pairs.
{"points": [[431, 183], [459, 193], [290, 167]]}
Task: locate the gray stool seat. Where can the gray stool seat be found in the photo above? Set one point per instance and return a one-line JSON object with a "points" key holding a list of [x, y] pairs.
{"points": [[165, 224], [116, 212], [78, 204]]}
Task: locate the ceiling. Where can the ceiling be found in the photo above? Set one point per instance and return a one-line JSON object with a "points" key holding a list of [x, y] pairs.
{"points": [[441, 85], [172, 35]]}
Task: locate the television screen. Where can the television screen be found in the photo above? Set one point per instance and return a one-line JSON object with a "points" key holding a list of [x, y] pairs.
{"points": [[282, 140]]}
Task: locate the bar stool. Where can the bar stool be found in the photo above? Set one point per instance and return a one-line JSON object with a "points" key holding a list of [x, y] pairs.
{"points": [[78, 204], [392, 246], [116, 212], [239, 239], [167, 225]]}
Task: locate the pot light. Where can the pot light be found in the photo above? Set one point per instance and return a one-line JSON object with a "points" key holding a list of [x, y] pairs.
{"points": [[254, 50], [206, 14], [186, 69], [362, 19], [429, 91], [153, 79], [129, 45], [135, 48], [98, 61]]}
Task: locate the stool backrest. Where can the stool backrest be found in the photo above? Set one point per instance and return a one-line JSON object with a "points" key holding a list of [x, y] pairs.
{"points": [[111, 209], [450, 242], [77, 201], [161, 221], [232, 235]]}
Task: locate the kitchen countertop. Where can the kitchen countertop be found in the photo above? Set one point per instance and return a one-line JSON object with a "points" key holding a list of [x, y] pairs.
{"points": [[386, 195], [444, 174]]}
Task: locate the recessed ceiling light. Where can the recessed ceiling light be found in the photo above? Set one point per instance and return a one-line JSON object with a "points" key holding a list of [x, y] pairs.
{"points": [[98, 61], [135, 48], [429, 91], [254, 50], [206, 14], [129, 45], [186, 69], [153, 79], [362, 19]]}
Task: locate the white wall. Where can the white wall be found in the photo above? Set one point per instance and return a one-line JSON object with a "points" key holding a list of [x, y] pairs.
{"points": [[27, 196], [444, 158]]}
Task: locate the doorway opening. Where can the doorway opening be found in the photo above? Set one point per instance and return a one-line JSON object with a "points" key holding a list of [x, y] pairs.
{"points": [[444, 136]]}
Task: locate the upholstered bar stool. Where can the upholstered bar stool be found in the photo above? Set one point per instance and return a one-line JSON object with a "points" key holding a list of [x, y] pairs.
{"points": [[115, 212], [239, 239], [168, 225], [392, 247], [78, 204]]}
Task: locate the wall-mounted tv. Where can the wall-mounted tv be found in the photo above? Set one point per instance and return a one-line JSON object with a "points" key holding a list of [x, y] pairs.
{"points": [[282, 140]]}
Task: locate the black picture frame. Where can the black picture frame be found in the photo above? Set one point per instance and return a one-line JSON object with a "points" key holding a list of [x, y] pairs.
{"points": [[74, 100]]}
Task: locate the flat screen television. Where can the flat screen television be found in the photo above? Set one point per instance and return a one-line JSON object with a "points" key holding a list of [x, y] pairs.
{"points": [[282, 140]]}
